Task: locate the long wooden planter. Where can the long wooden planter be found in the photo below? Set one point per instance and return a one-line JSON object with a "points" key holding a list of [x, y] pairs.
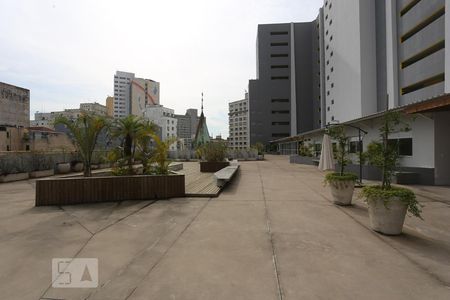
{"points": [[212, 167], [67, 191]]}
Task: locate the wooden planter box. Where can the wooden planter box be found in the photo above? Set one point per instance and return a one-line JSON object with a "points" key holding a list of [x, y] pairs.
{"points": [[213, 167], [43, 173], [67, 191], [14, 177]]}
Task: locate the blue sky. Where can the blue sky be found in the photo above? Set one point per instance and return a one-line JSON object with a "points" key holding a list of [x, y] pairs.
{"points": [[67, 51]]}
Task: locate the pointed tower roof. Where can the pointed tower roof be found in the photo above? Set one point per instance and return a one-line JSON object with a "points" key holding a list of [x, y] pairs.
{"points": [[202, 133]]}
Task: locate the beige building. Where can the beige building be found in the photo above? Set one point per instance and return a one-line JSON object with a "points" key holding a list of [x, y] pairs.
{"points": [[14, 116], [95, 108], [45, 139], [144, 92], [110, 106]]}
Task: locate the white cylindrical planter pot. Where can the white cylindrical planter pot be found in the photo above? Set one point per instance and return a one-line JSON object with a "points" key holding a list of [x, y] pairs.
{"points": [[342, 191], [387, 218], [78, 167], [63, 168]]}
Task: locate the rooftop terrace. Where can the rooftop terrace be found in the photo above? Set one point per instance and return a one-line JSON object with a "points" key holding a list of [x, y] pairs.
{"points": [[272, 234]]}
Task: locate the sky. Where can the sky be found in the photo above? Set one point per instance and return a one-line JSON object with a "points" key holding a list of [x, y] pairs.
{"points": [[67, 51]]}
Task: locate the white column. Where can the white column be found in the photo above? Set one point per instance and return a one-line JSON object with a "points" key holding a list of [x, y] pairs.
{"points": [[293, 91], [391, 53]]}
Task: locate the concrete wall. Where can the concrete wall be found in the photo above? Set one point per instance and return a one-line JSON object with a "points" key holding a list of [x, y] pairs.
{"points": [[442, 148]]}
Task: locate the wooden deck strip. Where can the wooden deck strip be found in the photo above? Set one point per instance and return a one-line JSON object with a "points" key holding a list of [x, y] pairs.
{"points": [[199, 184]]}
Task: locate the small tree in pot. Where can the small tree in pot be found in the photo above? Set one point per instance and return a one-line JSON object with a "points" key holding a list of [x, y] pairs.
{"points": [[260, 148], [342, 184], [388, 204]]}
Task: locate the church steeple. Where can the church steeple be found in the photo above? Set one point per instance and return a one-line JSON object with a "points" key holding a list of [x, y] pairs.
{"points": [[202, 102]]}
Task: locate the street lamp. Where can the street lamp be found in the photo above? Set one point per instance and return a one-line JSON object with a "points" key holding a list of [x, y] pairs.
{"points": [[359, 144]]}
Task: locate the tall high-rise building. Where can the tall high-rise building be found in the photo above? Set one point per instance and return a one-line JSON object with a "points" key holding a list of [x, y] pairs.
{"points": [[285, 83], [238, 124], [367, 56], [122, 93], [132, 95]]}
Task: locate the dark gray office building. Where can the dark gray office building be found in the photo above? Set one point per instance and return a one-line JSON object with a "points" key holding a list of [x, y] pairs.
{"points": [[281, 98]]}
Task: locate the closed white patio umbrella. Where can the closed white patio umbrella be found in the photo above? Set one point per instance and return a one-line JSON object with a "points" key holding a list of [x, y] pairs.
{"points": [[326, 161]]}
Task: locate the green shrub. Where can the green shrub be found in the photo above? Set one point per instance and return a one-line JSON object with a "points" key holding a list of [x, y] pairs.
{"points": [[407, 196], [213, 151], [333, 177]]}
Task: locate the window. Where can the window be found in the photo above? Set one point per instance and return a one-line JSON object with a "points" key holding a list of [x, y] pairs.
{"points": [[332, 101], [332, 69], [423, 84], [332, 118], [403, 145], [408, 7], [279, 67], [331, 53], [280, 111], [279, 55], [279, 77], [280, 123], [281, 100], [439, 13], [424, 53], [354, 147], [278, 33], [332, 85], [7, 148], [279, 44], [328, 108], [331, 38]]}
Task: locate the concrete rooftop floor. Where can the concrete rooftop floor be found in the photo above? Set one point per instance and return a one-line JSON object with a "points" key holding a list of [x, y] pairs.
{"points": [[272, 234]]}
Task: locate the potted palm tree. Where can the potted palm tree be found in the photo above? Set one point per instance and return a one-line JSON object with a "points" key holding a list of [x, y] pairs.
{"points": [[388, 204], [84, 131], [341, 184]]}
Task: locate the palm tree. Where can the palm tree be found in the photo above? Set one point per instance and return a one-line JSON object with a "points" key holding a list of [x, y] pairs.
{"points": [[133, 131], [161, 154], [143, 141], [85, 131]]}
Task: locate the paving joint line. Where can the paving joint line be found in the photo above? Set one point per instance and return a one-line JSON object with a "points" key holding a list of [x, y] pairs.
{"points": [[168, 249], [272, 243]]}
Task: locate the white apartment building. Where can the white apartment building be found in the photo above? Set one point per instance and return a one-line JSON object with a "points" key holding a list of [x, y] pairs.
{"points": [[122, 93], [238, 118], [165, 118]]}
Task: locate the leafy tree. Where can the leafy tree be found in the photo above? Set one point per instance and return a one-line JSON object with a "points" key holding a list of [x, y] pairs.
{"points": [[338, 133], [384, 154], [84, 131]]}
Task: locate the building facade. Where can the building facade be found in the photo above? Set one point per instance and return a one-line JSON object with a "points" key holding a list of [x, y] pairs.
{"points": [[186, 126], [238, 124], [132, 95], [109, 106], [14, 116], [95, 108], [144, 92], [165, 118], [384, 55], [286, 81], [122, 93]]}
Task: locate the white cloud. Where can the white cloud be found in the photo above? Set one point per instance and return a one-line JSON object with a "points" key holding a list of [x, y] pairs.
{"points": [[66, 52]]}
